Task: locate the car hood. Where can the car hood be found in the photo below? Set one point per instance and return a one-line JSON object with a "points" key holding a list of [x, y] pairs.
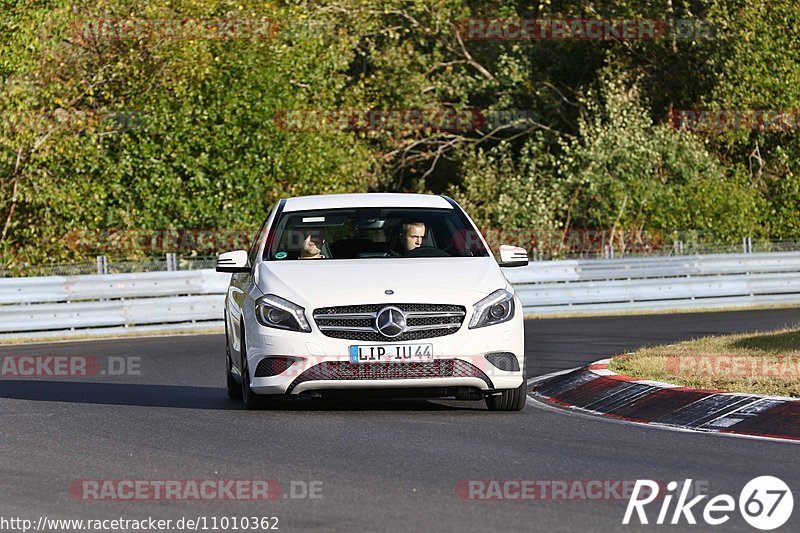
{"points": [[326, 283]]}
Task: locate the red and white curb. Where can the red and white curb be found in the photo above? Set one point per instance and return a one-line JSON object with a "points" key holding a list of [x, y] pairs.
{"points": [[597, 390]]}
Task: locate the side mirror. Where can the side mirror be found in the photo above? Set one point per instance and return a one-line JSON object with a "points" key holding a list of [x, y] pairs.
{"points": [[233, 262], [513, 256]]}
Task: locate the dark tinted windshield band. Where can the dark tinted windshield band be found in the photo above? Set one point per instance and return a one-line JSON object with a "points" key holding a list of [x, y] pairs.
{"points": [[356, 233]]}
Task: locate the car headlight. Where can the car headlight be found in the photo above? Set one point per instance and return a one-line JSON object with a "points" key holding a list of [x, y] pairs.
{"points": [[496, 308], [275, 312]]}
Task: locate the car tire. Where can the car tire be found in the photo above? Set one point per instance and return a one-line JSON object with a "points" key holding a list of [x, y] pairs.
{"points": [[234, 389], [508, 400], [251, 400]]}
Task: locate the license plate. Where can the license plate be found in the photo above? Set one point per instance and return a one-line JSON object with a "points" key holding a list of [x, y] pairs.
{"points": [[391, 353]]}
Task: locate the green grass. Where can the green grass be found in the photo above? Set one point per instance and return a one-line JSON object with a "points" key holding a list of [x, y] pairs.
{"points": [[758, 363]]}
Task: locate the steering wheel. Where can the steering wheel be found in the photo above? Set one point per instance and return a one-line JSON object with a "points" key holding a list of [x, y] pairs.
{"points": [[427, 251]]}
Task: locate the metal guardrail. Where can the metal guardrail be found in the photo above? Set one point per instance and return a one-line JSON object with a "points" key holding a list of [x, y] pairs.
{"points": [[185, 299], [113, 302], [664, 283]]}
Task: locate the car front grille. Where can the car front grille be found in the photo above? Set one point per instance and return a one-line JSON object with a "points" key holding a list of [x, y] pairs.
{"points": [[357, 322], [345, 370]]}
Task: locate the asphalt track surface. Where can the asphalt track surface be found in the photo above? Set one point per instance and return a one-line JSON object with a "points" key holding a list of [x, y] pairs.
{"points": [[383, 465]]}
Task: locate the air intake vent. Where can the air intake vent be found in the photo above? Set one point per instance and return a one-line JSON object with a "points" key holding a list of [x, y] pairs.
{"points": [[344, 370]]}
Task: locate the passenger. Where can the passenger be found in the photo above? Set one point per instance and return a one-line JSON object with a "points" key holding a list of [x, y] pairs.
{"points": [[312, 244]]}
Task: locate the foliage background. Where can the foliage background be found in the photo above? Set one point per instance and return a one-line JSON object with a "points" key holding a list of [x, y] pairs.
{"points": [[155, 134]]}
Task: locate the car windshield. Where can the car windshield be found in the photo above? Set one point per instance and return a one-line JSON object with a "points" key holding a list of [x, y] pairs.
{"points": [[371, 233]]}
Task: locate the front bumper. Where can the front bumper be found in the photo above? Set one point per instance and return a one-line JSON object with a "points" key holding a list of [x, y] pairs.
{"points": [[322, 363]]}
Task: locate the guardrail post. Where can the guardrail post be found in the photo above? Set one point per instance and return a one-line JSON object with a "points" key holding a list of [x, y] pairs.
{"points": [[172, 262], [747, 245], [102, 265]]}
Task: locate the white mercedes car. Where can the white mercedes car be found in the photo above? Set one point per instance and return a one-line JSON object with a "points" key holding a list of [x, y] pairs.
{"points": [[391, 295]]}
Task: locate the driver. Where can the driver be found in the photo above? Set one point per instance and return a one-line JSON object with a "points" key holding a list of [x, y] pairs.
{"points": [[411, 236]]}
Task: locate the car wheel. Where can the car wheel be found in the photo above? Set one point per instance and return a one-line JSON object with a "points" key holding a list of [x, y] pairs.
{"points": [[508, 400], [252, 401]]}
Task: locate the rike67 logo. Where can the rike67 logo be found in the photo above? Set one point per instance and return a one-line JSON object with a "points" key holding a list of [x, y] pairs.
{"points": [[765, 503]]}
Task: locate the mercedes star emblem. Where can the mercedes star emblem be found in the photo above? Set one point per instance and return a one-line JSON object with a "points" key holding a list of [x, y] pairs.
{"points": [[390, 322]]}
